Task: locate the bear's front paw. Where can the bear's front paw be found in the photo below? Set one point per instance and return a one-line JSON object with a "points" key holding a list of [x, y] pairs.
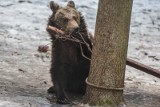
{"points": [[51, 90]]}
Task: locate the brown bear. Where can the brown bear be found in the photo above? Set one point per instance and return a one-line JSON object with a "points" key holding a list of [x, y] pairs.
{"points": [[70, 59]]}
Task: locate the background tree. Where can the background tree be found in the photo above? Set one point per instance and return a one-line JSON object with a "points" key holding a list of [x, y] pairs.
{"points": [[106, 78]]}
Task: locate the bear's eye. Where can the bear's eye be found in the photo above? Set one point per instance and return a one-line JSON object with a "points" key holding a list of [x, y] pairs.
{"points": [[65, 20]]}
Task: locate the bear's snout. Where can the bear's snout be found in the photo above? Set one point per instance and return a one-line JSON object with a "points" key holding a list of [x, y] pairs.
{"points": [[72, 26]]}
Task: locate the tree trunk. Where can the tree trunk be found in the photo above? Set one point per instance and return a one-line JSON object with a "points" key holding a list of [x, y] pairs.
{"points": [[106, 77]]}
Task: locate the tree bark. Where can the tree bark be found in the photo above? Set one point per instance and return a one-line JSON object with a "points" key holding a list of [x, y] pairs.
{"points": [[106, 77]]}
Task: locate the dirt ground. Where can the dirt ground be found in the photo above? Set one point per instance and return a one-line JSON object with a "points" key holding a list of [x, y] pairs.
{"points": [[25, 73]]}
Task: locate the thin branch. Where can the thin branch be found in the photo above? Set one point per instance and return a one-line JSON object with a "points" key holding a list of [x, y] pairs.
{"points": [[85, 43], [74, 40], [83, 53]]}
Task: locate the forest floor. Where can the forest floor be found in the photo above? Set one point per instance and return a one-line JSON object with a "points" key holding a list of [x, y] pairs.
{"points": [[25, 73]]}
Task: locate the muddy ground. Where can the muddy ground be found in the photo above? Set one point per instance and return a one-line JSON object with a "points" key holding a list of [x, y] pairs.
{"points": [[25, 72]]}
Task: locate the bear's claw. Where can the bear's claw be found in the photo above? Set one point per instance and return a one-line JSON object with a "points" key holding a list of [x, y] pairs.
{"points": [[64, 101]]}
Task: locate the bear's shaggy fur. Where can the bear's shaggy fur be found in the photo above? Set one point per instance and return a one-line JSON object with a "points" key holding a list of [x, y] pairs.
{"points": [[69, 68]]}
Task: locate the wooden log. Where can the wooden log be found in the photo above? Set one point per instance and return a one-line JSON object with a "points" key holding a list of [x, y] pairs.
{"points": [[143, 67]]}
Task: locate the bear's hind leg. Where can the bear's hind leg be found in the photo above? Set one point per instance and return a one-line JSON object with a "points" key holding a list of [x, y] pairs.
{"points": [[60, 80], [61, 95]]}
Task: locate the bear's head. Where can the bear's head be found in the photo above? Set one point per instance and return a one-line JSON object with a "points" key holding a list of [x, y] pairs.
{"points": [[65, 18]]}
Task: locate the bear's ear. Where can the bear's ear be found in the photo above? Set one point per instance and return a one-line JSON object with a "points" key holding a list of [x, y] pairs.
{"points": [[54, 6], [71, 4]]}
